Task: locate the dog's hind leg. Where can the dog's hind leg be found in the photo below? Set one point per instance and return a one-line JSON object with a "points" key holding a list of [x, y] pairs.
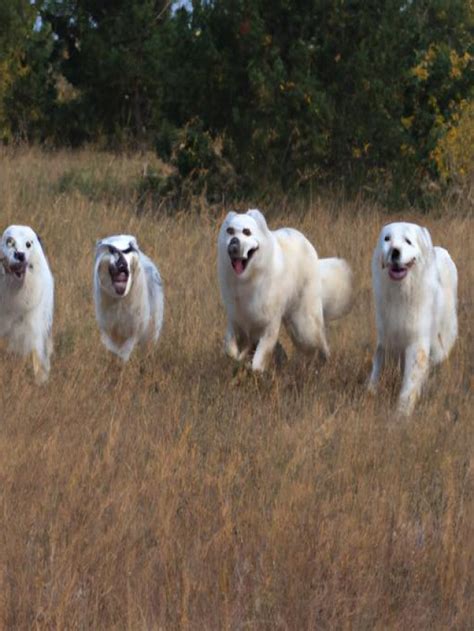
{"points": [[307, 332]]}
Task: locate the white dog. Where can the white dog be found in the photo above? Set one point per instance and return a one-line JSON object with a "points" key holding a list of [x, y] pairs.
{"points": [[128, 295], [26, 298], [269, 277], [415, 288]]}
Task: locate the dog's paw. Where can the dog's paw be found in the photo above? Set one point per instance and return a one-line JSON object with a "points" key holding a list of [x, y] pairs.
{"points": [[371, 388], [240, 373]]}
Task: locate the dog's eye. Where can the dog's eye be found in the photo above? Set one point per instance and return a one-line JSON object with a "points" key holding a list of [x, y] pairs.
{"points": [[28, 244], [408, 241], [387, 237], [246, 232], [10, 242], [230, 231]]}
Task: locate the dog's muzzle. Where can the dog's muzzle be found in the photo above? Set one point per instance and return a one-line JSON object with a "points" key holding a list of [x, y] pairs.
{"points": [[18, 266], [396, 270], [239, 263], [119, 273]]}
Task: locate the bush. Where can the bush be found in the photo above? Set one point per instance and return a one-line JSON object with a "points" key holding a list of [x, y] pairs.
{"points": [[454, 153], [197, 169]]}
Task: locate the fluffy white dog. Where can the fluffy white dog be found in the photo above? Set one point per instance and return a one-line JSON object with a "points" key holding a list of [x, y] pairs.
{"points": [[415, 289], [269, 277], [128, 295], [26, 298]]}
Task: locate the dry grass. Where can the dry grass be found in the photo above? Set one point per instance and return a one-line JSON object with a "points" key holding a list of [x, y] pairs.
{"points": [[160, 496]]}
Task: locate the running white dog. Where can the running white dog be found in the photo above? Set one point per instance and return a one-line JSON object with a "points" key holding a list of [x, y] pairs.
{"points": [[26, 298], [269, 277], [415, 288], [128, 295]]}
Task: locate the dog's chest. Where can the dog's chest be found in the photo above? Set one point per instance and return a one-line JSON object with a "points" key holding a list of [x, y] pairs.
{"points": [[404, 315], [252, 309], [17, 302], [124, 320]]}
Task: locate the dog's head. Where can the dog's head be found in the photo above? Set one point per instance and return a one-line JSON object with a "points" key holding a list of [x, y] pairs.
{"points": [[18, 247], [242, 239], [116, 263], [402, 248]]}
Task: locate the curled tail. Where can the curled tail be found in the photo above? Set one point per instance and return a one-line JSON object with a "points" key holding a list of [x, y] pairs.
{"points": [[336, 287]]}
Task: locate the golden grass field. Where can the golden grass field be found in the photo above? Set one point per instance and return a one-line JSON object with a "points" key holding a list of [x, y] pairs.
{"points": [[165, 495]]}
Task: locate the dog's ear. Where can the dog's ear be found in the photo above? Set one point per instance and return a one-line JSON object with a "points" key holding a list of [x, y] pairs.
{"points": [[133, 244], [426, 244], [100, 246], [228, 218], [230, 215], [259, 218], [40, 241]]}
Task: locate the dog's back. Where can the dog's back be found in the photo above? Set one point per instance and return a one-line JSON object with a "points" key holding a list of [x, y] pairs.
{"points": [[155, 294], [445, 325], [336, 287]]}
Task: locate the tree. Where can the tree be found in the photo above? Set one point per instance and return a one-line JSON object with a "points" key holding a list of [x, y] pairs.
{"points": [[26, 84], [108, 51], [322, 88]]}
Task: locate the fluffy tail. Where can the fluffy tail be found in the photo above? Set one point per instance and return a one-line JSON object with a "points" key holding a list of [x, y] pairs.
{"points": [[337, 291]]}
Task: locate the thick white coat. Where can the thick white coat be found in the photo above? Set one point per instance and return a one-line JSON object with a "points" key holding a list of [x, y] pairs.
{"points": [[416, 316], [136, 317], [26, 303], [283, 282]]}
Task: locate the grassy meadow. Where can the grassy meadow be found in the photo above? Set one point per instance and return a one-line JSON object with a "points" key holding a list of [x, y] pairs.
{"points": [[166, 494]]}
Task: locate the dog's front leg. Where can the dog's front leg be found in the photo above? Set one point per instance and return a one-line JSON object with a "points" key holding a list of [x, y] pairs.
{"points": [[231, 346], [126, 349], [41, 367], [265, 348], [377, 366], [416, 365], [235, 345]]}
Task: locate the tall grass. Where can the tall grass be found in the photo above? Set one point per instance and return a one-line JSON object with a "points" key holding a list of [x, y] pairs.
{"points": [[164, 494]]}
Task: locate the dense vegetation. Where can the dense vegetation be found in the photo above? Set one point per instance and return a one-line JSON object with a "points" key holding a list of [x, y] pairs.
{"points": [[235, 93]]}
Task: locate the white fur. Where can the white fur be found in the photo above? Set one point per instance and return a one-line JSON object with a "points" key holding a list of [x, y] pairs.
{"points": [[284, 281], [416, 316], [26, 298], [136, 317]]}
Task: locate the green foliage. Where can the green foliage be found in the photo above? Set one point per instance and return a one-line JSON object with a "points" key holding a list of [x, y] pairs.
{"points": [[198, 169], [352, 92], [322, 91], [26, 86]]}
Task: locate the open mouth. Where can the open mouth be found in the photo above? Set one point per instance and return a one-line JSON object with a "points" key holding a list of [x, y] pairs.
{"points": [[240, 264], [119, 280], [17, 269], [397, 271]]}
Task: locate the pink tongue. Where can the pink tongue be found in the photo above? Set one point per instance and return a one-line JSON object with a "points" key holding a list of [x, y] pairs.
{"points": [[238, 266], [398, 274]]}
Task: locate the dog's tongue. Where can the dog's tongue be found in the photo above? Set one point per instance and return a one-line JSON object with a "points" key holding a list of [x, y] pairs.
{"points": [[238, 266], [120, 283], [397, 273]]}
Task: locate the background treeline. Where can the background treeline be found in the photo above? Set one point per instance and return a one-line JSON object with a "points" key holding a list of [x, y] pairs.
{"points": [[244, 94]]}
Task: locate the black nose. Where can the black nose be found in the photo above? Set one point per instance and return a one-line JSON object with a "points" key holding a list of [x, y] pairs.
{"points": [[121, 265], [20, 256], [395, 254], [234, 246]]}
